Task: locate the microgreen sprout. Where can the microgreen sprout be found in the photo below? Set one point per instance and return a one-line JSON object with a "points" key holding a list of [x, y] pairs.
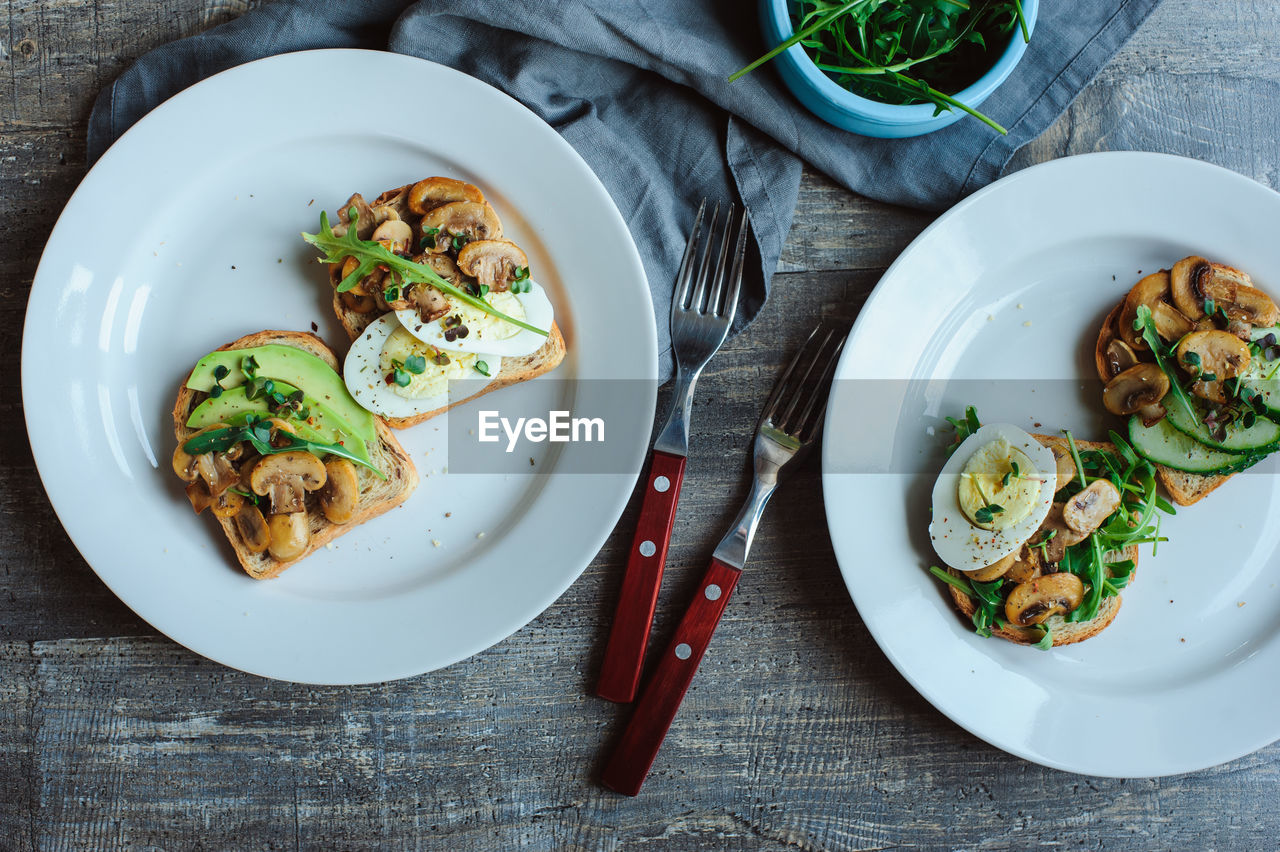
{"points": [[482, 367]]}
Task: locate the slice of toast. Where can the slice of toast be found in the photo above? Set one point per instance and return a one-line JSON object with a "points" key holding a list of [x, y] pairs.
{"points": [[1064, 632], [376, 495], [514, 370]]}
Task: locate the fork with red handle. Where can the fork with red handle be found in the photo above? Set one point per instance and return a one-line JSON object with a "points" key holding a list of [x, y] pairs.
{"points": [[703, 304], [788, 429]]}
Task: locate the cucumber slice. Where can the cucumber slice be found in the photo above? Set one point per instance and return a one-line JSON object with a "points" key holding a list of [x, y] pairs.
{"points": [[1259, 378], [1166, 445], [1259, 439]]}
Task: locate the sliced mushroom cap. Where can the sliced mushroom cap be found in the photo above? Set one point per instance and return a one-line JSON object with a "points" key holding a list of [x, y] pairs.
{"points": [[1184, 287], [1252, 307], [1197, 279], [994, 570], [1135, 388], [1106, 336], [1034, 601], [430, 302], [1151, 292], [198, 494], [1054, 537], [492, 262], [365, 219], [341, 491], [434, 191], [358, 303], [1026, 567], [289, 535], [1212, 391], [228, 504], [214, 469], [474, 220], [253, 528], [1151, 414], [1215, 352], [1065, 465], [394, 235], [1086, 511], [284, 477]]}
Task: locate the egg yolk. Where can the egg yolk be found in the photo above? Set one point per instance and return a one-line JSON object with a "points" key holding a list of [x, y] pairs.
{"points": [[432, 381], [485, 326], [999, 486]]}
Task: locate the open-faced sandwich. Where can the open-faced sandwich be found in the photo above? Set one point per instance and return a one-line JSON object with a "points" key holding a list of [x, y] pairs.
{"points": [[272, 444], [1040, 533], [1190, 357], [431, 293]]}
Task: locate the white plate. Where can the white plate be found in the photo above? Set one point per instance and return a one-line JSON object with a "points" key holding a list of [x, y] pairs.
{"points": [[1008, 289], [185, 236]]}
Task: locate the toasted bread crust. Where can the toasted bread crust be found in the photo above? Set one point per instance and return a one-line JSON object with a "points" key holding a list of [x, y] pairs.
{"points": [[376, 496]]}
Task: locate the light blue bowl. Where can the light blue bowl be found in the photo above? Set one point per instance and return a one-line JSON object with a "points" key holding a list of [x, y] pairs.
{"points": [[840, 107]]}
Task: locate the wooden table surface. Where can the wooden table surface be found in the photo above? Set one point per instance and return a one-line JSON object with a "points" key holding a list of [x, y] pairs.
{"points": [[797, 732]]}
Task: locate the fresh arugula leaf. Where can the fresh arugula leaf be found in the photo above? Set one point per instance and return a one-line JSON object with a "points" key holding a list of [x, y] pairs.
{"points": [[370, 255]]}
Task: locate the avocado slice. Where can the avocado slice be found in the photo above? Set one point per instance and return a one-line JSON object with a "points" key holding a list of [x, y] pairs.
{"points": [[301, 369], [321, 425]]}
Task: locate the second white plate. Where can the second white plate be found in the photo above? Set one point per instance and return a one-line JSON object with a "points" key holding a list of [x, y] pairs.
{"points": [[998, 304]]}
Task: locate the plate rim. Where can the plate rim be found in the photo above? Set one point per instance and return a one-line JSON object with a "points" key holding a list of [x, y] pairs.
{"points": [[932, 694], [631, 265]]}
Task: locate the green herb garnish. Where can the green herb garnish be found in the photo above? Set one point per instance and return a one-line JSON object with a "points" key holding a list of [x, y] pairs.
{"points": [[1146, 324], [258, 433], [888, 50], [370, 255], [482, 367]]}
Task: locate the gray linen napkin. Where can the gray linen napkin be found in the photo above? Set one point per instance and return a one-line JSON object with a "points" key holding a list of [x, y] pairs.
{"points": [[639, 89]]}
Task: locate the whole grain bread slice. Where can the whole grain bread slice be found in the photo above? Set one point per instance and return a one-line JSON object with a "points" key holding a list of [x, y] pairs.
{"points": [[377, 495], [1064, 632]]}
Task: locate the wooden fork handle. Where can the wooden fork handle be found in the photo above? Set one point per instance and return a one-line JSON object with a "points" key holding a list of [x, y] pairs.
{"points": [[629, 636], [631, 760]]}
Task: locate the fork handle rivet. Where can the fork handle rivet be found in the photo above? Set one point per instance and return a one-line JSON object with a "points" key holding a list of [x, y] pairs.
{"points": [[683, 651], [661, 484], [712, 591], [648, 548]]}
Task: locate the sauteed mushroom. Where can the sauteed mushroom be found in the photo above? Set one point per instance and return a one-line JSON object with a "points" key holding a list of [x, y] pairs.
{"points": [[1054, 536], [1027, 566], [1151, 291], [1034, 601], [1135, 388], [994, 570], [284, 477], [340, 492], [1218, 353], [474, 220], [290, 533], [215, 470], [434, 191], [492, 262], [253, 528], [1086, 511], [394, 234]]}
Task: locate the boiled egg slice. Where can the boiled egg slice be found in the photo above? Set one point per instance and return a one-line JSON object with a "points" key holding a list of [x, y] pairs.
{"points": [[980, 474], [468, 329], [386, 347]]}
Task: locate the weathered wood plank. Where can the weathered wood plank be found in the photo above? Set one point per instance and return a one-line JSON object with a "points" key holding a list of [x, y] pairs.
{"points": [[797, 732]]}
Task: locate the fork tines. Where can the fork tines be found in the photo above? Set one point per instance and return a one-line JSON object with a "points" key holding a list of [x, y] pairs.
{"points": [[701, 288], [799, 397]]}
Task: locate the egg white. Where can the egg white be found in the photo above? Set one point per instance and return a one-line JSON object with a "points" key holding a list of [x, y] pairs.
{"points": [[489, 335], [367, 381], [959, 542]]}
